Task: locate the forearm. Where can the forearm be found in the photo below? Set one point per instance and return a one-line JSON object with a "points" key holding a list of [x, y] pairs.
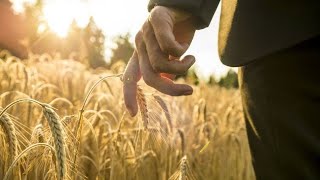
{"points": [[202, 10]]}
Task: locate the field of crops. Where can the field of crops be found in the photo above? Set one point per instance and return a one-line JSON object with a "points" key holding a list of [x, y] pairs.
{"points": [[61, 120]]}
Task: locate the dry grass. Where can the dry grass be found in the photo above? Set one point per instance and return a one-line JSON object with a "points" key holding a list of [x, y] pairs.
{"points": [[196, 137]]}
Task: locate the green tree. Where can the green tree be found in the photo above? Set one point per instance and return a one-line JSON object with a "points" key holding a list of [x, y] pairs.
{"points": [[74, 43], [123, 49], [94, 44], [230, 80], [190, 77], [212, 81]]}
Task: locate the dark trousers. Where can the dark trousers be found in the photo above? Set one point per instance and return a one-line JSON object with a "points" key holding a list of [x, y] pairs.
{"points": [[281, 100]]}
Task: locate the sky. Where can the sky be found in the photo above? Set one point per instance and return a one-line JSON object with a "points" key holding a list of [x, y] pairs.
{"points": [[122, 16]]}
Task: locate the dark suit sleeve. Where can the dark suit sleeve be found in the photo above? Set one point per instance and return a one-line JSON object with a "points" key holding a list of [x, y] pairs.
{"points": [[203, 10]]}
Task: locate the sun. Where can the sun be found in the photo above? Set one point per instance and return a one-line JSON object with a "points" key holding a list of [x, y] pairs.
{"points": [[58, 18], [57, 14], [60, 14]]}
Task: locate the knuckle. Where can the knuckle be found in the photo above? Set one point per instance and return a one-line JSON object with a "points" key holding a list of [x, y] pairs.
{"points": [[166, 47], [182, 71], [158, 12], [138, 38], [154, 15], [169, 47], [157, 67], [146, 28], [181, 68], [178, 68], [155, 63]]}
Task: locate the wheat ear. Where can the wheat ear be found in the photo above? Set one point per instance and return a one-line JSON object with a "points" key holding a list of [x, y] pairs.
{"points": [[165, 109], [38, 133], [143, 107], [10, 131], [183, 169], [59, 141]]}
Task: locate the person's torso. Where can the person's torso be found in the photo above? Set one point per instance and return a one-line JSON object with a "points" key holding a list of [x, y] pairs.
{"points": [[254, 28]]}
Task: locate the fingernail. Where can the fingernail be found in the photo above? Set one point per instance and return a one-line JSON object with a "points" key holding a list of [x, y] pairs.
{"points": [[131, 112], [190, 59], [185, 45], [193, 61]]}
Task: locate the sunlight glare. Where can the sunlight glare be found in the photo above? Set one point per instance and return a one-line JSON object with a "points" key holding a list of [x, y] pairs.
{"points": [[58, 16], [81, 13], [119, 17], [18, 5]]}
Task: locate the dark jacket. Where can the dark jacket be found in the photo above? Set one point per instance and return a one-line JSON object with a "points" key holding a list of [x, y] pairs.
{"points": [[250, 29]]}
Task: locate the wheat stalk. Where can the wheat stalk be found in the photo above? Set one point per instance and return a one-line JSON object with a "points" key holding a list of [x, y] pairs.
{"points": [[7, 175], [80, 118], [181, 135]]}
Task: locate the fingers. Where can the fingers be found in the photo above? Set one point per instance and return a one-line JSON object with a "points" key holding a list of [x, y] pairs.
{"points": [[163, 22], [130, 78], [158, 59], [157, 81]]}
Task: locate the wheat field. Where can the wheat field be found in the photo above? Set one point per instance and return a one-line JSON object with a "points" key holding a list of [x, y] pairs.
{"points": [[61, 120]]}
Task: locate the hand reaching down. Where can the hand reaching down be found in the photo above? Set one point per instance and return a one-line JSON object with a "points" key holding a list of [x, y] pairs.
{"points": [[162, 40]]}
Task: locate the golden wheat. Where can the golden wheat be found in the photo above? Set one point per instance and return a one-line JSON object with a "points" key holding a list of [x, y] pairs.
{"points": [[143, 107], [194, 137], [9, 128], [59, 139]]}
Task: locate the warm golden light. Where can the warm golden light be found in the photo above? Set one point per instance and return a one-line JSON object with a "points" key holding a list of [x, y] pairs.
{"points": [[18, 5], [119, 17], [58, 15]]}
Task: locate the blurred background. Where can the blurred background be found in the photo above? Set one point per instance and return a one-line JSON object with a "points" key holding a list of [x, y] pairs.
{"points": [[69, 54], [98, 33]]}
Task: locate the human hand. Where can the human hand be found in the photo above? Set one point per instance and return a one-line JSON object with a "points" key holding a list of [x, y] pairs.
{"points": [[162, 40]]}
